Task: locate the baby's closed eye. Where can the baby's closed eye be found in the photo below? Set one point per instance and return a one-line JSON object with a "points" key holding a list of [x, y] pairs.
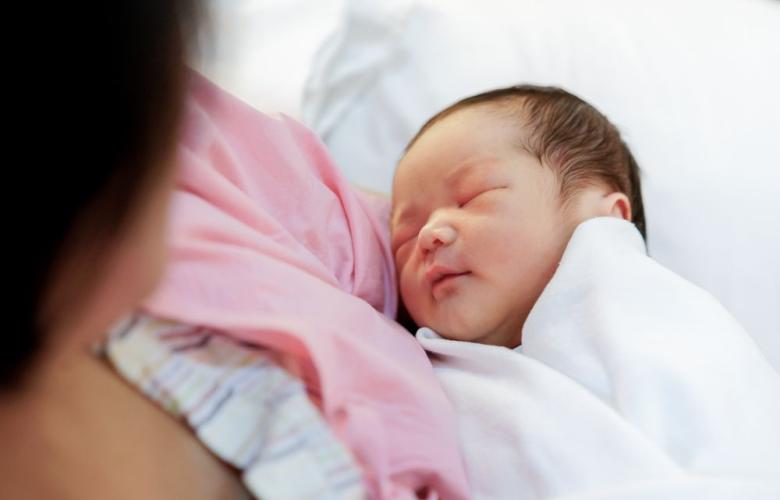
{"points": [[478, 196]]}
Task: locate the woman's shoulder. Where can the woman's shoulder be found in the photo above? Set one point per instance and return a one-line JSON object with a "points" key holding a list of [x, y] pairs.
{"points": [[91, 435]]}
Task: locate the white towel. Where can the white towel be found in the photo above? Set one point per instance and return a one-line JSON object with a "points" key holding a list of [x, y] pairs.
{"points": [[631, 383]]}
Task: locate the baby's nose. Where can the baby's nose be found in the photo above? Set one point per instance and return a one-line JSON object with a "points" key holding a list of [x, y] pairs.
{"points": [[434, 235]]}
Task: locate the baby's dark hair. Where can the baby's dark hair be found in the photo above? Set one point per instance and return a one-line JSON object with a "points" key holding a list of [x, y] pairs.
{"points": [[567, 134]]}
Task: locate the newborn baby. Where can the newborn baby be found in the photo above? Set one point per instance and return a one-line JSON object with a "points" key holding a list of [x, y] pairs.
{"points": [[486, 198], [577, 366]]}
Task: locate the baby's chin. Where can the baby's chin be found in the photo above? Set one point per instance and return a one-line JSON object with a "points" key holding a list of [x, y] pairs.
{"points": [[467, 319], [477, 330], [458, 330]]}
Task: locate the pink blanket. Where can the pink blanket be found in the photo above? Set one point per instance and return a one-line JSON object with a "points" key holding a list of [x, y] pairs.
{"points": [[271, 245]]}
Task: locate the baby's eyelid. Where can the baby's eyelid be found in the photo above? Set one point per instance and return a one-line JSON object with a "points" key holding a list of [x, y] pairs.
{"points": [[478, 194], [469, 199], [463, 202]]}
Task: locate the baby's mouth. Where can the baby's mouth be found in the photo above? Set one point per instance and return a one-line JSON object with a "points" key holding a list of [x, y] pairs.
{"points": [[447, 277], [446, 284], [440, 278]]}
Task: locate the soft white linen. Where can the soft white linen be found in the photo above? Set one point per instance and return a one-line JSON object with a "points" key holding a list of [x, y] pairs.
{"points": [[631, 383], [262, 50], [693, 86]]}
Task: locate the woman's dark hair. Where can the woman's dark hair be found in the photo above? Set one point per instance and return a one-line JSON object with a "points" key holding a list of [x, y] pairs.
{"points": [[104, 116]]}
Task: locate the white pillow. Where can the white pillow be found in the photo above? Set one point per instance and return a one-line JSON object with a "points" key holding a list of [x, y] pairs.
{"points": [[692, 85], [261, 50]]}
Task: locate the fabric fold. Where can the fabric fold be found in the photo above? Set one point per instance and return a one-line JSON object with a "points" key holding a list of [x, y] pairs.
{"points": [[272, 246]]}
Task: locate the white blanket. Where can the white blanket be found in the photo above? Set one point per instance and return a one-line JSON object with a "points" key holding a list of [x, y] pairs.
{"points": [[631, 383]]}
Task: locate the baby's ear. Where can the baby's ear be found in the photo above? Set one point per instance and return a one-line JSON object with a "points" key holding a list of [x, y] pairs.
{"points": [[616, 205]]}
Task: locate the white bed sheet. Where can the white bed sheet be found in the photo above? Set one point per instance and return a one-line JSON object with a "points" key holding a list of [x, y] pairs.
{"points": [[262, 50]]}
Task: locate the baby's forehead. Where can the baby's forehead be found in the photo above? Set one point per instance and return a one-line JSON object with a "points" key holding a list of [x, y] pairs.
{"points": [[470, 131], [465, 143]]}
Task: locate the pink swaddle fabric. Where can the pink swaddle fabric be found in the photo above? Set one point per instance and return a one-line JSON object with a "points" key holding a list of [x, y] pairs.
{"points": [[271, 245]]}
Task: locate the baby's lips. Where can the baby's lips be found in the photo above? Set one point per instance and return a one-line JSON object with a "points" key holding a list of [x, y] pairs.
{"points": [[438, 272]]}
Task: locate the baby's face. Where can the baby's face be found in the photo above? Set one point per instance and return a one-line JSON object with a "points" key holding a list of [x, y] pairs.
{"points": [[477, 229]]}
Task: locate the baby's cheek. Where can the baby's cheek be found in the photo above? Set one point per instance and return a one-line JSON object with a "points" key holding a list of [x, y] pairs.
{"points": [[411, 296], [407, 289]]}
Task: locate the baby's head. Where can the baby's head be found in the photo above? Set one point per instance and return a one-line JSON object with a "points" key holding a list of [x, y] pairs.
{"points": [[486, 198]]}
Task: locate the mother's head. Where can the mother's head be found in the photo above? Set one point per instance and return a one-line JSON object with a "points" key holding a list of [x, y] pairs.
{"points": [[96, 188]]}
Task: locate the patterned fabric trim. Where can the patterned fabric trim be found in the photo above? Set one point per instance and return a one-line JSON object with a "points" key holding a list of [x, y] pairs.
{"points": [[241, 404]]}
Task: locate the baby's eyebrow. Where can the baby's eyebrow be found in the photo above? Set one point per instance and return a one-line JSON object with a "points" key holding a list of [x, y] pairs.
{"points": [[466, 170], [456, 174]]}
